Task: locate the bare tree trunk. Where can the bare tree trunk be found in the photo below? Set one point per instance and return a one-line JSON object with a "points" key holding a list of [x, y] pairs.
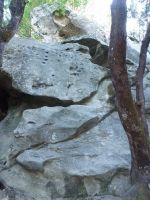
{"points": [[7, 32], [2, 45], [140, 99], [129, 115], [1, 11]]}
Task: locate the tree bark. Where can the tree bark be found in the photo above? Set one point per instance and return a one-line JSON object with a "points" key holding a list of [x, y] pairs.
{"points": [[6, 33], [140, 99], [1, 11], [129, 116], [16, 9]]}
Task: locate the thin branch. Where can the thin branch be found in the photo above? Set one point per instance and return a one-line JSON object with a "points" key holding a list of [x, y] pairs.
{"points": [[139, 79]]}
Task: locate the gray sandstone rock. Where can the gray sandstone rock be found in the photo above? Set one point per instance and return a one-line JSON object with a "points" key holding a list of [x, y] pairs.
{"points": [[82, 166], [133, 52], [6, 133], [120, 184], [44, 26], [58, 153], [58, 72], [76, 168], [53, 125]]}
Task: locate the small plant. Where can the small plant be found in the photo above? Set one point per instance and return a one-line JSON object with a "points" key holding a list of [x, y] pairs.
{"points": [[61, 12]]}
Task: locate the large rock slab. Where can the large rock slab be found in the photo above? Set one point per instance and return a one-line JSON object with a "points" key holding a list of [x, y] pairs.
{"points": [[73, 154], [59, 72], [54, 167], [54, 125]]}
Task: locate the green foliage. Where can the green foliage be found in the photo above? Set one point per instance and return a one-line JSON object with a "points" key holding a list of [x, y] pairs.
{"points": [[73, 3], [61, 12], [25, 26]]}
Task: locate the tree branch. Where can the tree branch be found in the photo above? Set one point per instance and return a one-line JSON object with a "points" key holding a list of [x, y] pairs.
{"points": [[16, 9], [140, 99]]}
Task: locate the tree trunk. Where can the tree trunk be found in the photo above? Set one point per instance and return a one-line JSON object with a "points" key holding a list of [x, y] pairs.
{"points": [[1, 11], [6, 33], [128, 113], [2, 45], [140, 100]]}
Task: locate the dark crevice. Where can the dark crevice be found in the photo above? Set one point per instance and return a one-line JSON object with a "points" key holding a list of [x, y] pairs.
{"points": [[98, 51], [88, 42], [3, 103], [88, 125], [10, 97], [2, 186]]}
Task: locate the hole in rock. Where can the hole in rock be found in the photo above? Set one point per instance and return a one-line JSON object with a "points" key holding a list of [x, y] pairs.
{"points": [[3, 103], [2, 187], [68, 49]]}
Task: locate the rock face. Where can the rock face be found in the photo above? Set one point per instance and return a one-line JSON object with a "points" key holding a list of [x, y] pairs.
{"points": [[53, 166], [52, 71], [57, 140], [71, 152], [61, 138], [78, 29]]}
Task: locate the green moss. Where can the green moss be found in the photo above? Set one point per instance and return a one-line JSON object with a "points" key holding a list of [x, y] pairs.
{"points": [[37, 37]]}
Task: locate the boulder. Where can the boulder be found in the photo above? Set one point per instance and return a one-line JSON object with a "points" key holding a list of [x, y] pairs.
{"points": [[42, 24], [57, 72], [77, 27], [49, 28], [61, 138], [52, 165]]}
